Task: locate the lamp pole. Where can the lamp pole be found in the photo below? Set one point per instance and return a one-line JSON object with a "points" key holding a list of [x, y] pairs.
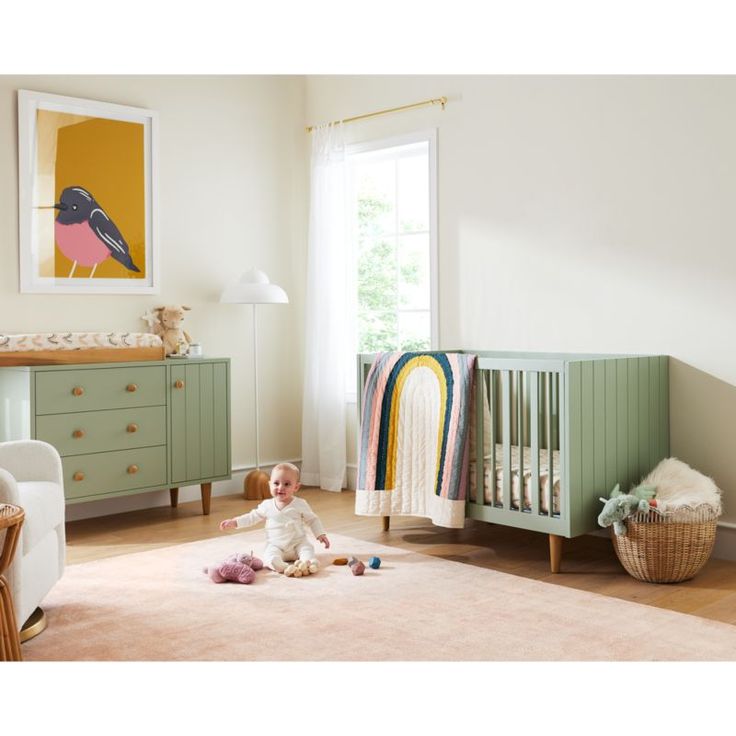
{"points": [[255, 384]]}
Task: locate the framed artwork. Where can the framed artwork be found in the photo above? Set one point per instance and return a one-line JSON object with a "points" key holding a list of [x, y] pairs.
{"points": [[87, 196]]}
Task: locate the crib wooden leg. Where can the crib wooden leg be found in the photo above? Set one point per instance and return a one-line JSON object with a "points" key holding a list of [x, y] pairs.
{"points": [[386, 523], [555, 552]]}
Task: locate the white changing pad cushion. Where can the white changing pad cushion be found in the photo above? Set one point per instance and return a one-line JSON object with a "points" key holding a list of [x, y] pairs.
{"points": [[491, 482], [77, 341], [680, 487]]}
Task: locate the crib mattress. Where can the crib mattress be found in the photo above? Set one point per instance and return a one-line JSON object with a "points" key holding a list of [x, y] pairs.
{"points": [[43, 348], [495, 479]]}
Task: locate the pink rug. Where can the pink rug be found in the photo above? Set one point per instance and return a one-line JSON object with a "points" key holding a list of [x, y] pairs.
{"points": [[158, 605]]}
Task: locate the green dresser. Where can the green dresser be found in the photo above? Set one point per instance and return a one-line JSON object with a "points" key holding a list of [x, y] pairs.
{"points": [[124, 428]]}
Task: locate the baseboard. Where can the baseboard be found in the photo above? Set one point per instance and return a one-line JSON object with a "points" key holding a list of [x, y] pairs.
{"points": [[352, 475], [725, 545], [154, 499]]}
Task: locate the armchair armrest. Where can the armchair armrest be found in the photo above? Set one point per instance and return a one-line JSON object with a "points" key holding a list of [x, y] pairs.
{"points": [[8, 488], [31, 460]]}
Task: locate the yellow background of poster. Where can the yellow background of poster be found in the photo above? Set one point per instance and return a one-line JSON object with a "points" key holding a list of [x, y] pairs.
{"points": [[105, 157]]}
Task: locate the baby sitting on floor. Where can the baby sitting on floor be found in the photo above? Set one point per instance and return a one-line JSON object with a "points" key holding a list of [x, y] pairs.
{"points": [[285, 516]]}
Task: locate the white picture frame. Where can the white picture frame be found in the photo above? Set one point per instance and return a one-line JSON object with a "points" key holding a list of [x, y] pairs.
{"points": [[50, 130]]}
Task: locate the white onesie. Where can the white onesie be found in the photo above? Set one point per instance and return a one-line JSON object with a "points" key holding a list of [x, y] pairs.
{"points": [[287, 537]]}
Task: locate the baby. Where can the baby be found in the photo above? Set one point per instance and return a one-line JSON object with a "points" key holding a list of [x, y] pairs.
{"points": [[285, 516]]}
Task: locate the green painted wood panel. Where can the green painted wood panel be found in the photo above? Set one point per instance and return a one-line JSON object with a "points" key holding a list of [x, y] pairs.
{"points": [[664, 418], [221, 419], [178, 427], [587, 449], [192, 421], [622, 421], [599, 425], [633, 404], [645, 431], [207, 421], [103, 430], [610, 421], [107, 472], [102, 388], [574, 481]]}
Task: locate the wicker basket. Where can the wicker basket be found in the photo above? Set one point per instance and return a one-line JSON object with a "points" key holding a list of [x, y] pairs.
{"points": [[667, 548]]}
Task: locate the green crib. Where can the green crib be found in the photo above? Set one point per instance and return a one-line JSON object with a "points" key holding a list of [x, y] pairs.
{"points": [[553, 432]]}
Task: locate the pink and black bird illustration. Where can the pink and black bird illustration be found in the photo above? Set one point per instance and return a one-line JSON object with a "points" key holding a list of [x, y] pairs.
{"points": [[85, 233]]}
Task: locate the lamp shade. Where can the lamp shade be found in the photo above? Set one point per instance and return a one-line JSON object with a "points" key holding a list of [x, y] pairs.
{"points": [[254, 287]]}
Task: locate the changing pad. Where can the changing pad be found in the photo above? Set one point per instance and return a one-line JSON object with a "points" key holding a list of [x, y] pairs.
{"points": [[79, 347]]}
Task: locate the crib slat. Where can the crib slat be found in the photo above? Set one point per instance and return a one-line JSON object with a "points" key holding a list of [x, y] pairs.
{"points": [[550, 446], [534, 432], [562, 420], [480, 477], [520, 433], [506, 410], [491, 378]]}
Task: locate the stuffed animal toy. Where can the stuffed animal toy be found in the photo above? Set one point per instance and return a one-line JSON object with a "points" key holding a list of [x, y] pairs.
{"points": [[176, 339], [238, 568], [622, 505]]}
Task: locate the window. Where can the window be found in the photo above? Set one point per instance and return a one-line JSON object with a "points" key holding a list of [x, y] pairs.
{"points": [[392, 213]]}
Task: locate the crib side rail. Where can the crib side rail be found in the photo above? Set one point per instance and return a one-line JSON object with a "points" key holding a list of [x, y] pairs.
{"points": [[520, 440]]}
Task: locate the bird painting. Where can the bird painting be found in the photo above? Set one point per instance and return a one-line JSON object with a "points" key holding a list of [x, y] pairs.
{"points": [[85, 234]]}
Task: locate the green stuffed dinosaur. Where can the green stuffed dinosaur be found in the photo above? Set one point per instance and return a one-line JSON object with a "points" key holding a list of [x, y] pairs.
{"points": [[622, 505]]}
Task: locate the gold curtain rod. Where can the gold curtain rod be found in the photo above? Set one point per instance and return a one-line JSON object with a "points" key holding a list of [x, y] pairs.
{"points": [[437, 101]]}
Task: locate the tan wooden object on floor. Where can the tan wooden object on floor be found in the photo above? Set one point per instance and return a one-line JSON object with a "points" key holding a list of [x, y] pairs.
{"points": [[11, 520], [590, 561], [255, 486]]}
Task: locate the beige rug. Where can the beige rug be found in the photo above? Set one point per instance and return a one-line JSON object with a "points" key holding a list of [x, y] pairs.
{"points": [[158, 605]]}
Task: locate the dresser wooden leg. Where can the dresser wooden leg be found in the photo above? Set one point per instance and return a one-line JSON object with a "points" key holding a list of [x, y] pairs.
{"points": [[174, 493], [555, 552], [206, 496], [386, 523]]}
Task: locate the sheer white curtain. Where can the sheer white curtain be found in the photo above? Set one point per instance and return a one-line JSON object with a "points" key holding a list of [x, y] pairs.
{"points": [[323, 420]]}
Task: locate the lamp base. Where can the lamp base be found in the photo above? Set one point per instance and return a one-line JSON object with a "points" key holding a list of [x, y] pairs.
{"points": [[255, 486]]}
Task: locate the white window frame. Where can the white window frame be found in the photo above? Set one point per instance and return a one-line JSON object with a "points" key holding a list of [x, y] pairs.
{"points": [[428, 136]]}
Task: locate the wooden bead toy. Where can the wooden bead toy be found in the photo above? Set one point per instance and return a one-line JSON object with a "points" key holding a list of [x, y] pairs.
{"points": [[374, 563], [356, 566]]}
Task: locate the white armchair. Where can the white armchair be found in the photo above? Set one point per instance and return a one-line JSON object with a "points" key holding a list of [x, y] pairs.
{"points": [[31, 477]]}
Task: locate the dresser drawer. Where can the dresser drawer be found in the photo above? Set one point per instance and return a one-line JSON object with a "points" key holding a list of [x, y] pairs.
{"points": [[60, 391], [97, 431], [111, 472]]}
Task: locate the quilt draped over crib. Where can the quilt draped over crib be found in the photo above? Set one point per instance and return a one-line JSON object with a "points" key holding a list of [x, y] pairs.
{"points": [[414, 437]]}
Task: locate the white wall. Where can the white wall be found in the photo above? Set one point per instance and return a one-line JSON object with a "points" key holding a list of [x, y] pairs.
{"points": [[583, 214], [231, 196]]}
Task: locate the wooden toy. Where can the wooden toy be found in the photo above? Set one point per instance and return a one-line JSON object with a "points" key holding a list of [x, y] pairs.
{"points": [[356, 566], [340, 561], [374, 563]]}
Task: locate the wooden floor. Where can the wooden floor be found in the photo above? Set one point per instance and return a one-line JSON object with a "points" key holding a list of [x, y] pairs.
{"points": [[588, 562]]}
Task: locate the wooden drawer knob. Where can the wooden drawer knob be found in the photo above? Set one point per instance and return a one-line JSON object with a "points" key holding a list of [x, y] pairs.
{"points": [[78, 475], [132, 469], [77, 390], [131, 388], [178, 383], [132, 427], [78, 434]]}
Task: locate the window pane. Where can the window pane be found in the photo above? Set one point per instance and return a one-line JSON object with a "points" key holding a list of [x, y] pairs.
{"points": [[377, 331], [414, 330], [413, 258], [376, 190], [413, 192]]}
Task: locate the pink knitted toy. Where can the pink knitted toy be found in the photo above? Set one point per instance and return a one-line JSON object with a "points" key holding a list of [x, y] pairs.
{"points": [[238, 568]]}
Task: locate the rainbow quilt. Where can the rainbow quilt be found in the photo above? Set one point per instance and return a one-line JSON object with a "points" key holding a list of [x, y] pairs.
{"points": [[414, 437]]}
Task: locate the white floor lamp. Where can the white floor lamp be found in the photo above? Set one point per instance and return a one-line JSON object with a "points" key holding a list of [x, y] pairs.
{"points": [[255, 288]]}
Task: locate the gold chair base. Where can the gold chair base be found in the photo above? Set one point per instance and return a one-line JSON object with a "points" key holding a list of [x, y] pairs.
{"points": [[35, 624]]}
